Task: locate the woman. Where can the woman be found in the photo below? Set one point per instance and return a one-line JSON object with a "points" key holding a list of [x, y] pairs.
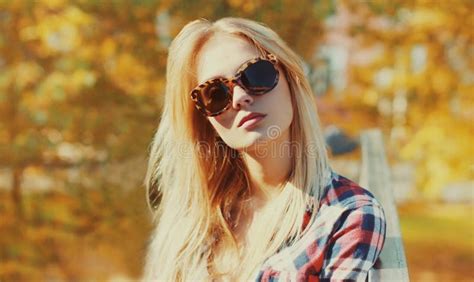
{"points": [[241, 170]]}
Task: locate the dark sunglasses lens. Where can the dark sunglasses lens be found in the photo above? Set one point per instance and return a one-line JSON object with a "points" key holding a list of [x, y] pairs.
{"points": [[259, 77], [215, 97]]}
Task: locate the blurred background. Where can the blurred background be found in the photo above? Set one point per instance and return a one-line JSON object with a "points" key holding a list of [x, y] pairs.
{"points": [[81, 90]]}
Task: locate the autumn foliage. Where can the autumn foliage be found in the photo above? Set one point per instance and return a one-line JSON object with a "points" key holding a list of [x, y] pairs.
{"points": [[81, 89]]}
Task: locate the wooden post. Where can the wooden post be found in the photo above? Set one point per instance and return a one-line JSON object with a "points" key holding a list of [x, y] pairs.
{"points": [[375, 177]]}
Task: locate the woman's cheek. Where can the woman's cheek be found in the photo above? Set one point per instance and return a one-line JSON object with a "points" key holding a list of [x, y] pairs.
{"points": [[222, 120], [217, 124]]}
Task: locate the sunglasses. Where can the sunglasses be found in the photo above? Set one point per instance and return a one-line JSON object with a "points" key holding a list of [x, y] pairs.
{"points": [[256, 76]]}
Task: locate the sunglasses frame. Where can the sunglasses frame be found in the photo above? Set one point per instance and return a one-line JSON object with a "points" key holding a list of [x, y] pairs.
{"points": [[229, 83]]}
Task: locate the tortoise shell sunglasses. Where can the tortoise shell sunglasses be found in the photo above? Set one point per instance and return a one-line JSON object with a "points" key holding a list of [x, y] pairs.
{"points": [[256, 76]]}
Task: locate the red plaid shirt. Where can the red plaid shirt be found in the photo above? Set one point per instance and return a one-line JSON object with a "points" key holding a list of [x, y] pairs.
{"points": [[341, 244]]}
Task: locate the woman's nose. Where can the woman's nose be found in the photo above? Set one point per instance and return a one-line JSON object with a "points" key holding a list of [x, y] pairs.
{"points": [[240, 98]]}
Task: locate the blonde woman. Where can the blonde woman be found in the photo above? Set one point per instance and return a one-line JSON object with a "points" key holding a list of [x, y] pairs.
{"points": [[241, 171]]}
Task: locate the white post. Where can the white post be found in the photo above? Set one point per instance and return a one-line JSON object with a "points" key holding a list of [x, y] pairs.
{"points": [[375, 177]]}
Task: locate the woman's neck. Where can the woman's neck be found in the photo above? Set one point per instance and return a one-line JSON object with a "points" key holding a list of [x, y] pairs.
{"points": [[269, 164]]}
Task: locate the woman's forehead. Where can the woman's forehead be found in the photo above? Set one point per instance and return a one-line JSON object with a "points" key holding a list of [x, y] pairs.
{"points": [[222, 55]]}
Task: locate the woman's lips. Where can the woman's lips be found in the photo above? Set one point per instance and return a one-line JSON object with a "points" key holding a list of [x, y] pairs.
{"points": [[251, 121]]}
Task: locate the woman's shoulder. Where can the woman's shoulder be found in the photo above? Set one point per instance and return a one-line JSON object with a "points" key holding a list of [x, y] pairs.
{"points": [[341, 241], [340, 197], [342, 191]]}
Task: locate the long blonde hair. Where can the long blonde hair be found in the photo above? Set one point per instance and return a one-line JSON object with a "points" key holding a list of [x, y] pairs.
{"points": [[200, 181]]}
